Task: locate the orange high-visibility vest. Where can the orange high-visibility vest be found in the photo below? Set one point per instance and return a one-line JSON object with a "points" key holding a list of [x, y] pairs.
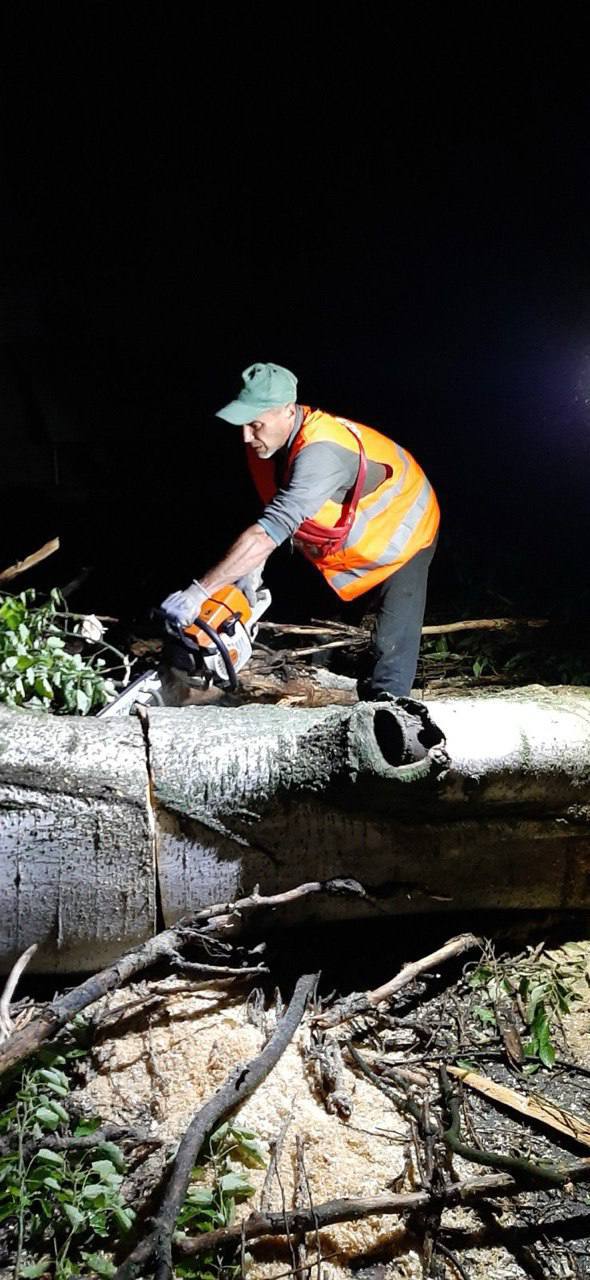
{"points": [[359, 543]]}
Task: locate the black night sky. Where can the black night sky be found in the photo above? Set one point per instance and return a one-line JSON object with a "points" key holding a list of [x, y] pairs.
{"points": [[395, 208]]}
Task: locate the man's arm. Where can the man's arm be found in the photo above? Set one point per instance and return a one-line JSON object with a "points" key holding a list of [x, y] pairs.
{"points": [[248, 552]]}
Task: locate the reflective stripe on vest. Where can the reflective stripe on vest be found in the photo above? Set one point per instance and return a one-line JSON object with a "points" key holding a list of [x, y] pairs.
{"points": [[395, 548]]}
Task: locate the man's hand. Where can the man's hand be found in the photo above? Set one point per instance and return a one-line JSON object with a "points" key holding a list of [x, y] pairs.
{"points": [[185, 606], [250, 584]]}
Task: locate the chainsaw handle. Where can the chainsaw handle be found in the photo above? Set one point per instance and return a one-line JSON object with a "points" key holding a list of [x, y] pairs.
{"points": [[173, 628], [177, 631]]}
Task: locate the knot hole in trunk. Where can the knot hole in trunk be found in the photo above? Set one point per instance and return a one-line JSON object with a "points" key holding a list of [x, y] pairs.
{"points": [[405, 734]]}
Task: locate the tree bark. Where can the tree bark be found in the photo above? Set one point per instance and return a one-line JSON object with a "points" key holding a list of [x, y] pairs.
{"points": [[202, 803], [77, 840]]}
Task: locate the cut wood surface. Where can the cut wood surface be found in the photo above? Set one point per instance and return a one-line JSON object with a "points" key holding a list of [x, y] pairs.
{"points": [[534, 1107], [201, 804]]}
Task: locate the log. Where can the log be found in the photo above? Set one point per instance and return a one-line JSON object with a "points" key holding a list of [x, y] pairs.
{"points": [[77, 840], [200, 804]]}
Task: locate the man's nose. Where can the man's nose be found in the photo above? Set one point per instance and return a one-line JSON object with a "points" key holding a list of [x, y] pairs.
{"points": [[247, 433]]}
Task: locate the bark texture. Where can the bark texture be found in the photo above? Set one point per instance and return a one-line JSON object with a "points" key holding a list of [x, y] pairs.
{"points": [[77, 840], [203, 803]]}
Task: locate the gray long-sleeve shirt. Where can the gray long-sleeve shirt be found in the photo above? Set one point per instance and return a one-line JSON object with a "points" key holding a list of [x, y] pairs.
{"points": [[321, 470]]}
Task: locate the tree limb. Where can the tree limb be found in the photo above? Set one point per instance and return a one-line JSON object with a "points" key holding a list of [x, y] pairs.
{"points": [[29, 562], [353, 1209], [157, 1247], [363, 1002], [222, 917]]}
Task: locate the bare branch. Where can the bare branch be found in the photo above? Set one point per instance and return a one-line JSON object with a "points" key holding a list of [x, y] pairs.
{"points": [[6, 1023], [223, 917], [354, 1209], [29, 562], [363, 1002]]}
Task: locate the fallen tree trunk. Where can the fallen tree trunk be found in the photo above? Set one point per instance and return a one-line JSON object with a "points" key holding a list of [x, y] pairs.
{"points": [[201, 804]]}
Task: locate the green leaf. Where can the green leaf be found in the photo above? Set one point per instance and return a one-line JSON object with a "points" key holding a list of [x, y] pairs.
{"points": [[107, 1172], [87, 1126], [99, 1264], [236, 1184], [484, 1015], [49, 1157], [59, 1110], [48, 1119], [114, 1154], [53, 1076], [93, 1190], [34, 1269], [200, 1196], [73, 1215], [547, 1053], [52, 1184], [82, 701], [124, 1218]]}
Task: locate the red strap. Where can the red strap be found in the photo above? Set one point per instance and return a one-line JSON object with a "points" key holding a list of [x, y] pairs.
{"points": [[332, 538]]}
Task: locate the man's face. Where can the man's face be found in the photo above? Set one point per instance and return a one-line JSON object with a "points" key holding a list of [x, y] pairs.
{"points": [[270, 430]]}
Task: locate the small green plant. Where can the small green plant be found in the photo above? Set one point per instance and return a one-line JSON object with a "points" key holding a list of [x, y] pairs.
{"points": [[540, 988], [41, 665], [211, 1199], [56, 1206]]}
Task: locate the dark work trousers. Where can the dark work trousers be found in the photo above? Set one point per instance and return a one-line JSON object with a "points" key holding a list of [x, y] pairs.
{"points": [[395, 642]]}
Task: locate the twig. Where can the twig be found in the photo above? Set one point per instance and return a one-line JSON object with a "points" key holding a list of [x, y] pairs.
{"points": [[435, 629], [483, 624], [311, 1206], [29, 562], [68, 1142], [216, 970], [447, 1253], [223, 917], [298, 1251], [6, 1023], [363, 1002], [276, 1147], [354, 1209], [290, 654], [157, 1247]]}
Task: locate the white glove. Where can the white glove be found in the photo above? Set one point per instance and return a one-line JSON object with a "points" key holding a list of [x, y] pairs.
{"points": [[185, 606], [250, 584]]}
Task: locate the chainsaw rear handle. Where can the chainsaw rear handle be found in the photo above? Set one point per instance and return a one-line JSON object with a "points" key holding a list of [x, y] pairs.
{"points": [[175, 629]]}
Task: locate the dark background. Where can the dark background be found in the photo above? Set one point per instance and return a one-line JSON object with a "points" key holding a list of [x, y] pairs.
{"points": [[391, 205]]}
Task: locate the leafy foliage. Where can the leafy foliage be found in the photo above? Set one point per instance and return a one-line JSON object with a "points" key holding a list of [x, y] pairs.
{"points": [[41, 663], [210, 1202], [57, 1207], [538, 989], [520, 655]]}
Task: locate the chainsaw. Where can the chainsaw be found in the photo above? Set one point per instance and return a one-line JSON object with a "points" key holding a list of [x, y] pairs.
{"points": [[211, 650]]}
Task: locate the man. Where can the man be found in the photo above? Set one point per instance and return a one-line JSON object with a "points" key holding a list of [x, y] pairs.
{"points": [[355, 503]]}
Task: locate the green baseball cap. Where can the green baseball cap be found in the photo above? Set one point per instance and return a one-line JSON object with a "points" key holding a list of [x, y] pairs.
{"points": [[265, 387]]}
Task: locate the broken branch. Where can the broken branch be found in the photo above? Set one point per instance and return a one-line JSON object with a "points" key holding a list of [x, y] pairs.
{"points": [[353, 1209], [363, 1002], [29, 562], [6, 1022], [221, 917]]}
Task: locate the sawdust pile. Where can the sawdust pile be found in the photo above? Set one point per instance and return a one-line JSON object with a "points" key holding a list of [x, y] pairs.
{"points": [[164, 1049]]}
